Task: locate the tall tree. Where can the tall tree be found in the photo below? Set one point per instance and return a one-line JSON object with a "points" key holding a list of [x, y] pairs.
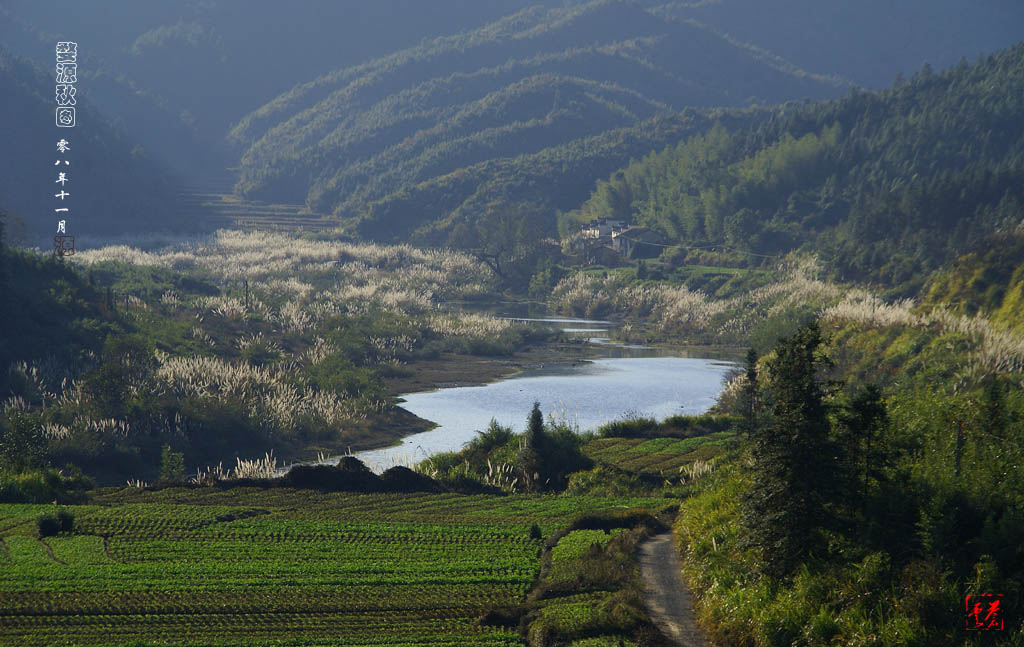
{"points": [[861, 422], [749, 397], [531, 456], [510, 240], [22, 443], [535, 429], [794, 460]]}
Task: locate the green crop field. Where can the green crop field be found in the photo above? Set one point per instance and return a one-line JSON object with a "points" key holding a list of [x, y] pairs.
{"points": [[248, 566], [657, 456]]}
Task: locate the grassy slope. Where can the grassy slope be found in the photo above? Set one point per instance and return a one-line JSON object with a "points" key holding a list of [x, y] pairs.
{"points": [[989, 281], [183, 363]]}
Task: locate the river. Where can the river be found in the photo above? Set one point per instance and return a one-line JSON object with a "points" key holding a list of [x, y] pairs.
{"points": [[626, 380]]}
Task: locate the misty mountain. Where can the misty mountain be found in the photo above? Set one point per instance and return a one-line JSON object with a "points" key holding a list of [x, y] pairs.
{"points": [[407, 117], [869, 42], [114, 185], [178, 75], [537, 80]]}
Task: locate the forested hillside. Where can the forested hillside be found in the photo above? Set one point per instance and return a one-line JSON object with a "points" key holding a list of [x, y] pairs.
{"points": [[885, 186], [116, 185], [537, 80], [412, 118], [532, 186]]}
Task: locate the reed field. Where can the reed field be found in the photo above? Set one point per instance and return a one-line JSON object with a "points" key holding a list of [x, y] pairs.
{"points": [[246, 341], [762, 314]]}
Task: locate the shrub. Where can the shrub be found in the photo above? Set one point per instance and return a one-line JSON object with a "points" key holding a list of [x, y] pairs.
{"points": [[628, 428], [43, 486], [172, 464], [605, 480], [403, 479], [66, 520], [332, 479], [22, 443], [47, 525], [493, 437], [352, 464]]}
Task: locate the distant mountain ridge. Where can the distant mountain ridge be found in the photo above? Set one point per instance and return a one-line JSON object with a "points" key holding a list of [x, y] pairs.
{"points": [[869, 42], [536, 80]]}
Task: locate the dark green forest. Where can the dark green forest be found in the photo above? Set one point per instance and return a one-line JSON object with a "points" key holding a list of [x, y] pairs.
{"points": [[866, 502], [886, 186], [178, 76]]}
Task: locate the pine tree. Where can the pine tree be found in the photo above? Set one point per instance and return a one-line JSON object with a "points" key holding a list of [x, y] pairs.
{"points": [[531, 456], [994, 417], [172, 464], [861, 422], [794, 461], [535, 429], [749, 394]]}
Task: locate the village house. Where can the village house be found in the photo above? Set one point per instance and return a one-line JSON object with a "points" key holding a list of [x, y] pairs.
{"points": [[602, 228], [637, 242]]}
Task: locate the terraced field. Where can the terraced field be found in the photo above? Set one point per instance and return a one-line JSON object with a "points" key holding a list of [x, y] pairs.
{"points": [[656, 456], [217, 208], [276, 567]]}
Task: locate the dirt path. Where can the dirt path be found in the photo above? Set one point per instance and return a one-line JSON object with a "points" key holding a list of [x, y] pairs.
{"points": [[667, 598], [106, 548], [49, 551]]}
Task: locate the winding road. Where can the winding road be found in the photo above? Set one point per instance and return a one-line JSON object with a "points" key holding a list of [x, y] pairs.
{"points": [[666, 595]]}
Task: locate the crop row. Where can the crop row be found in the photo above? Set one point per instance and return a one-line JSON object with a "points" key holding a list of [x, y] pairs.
{"points": [[574, 616], [655, 456], [309, 598], [155, 579], [251, 566], [248, 629], [344, 506], [578, 542]]}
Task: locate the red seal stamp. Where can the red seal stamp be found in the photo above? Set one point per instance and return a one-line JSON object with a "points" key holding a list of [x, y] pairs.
{"points": [[984, 612]]}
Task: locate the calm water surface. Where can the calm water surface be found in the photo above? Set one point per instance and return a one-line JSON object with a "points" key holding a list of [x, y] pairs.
{"points": [[586, 394]]}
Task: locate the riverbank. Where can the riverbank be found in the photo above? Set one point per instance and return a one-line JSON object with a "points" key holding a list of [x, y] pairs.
{"points": [[583, 394], [453, 370], [450, 370], [447, 370]]}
